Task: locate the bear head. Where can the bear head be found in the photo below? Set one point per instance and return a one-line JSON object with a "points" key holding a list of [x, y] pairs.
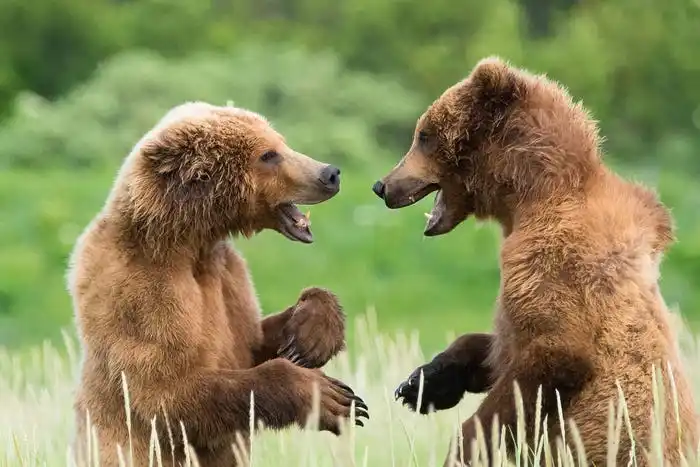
{"points": [[207, 171], [491, 142]]}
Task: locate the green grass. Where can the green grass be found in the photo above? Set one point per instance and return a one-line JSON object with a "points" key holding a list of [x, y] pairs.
{"points": [[369, 255], [37, 420]]}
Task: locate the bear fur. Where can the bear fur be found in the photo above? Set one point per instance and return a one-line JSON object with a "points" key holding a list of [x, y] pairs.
{"points": [[579, 307], [163, 299]]}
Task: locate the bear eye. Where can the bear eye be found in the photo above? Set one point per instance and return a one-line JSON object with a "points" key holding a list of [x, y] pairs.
{"points": [[422, 136], [270, 156]]}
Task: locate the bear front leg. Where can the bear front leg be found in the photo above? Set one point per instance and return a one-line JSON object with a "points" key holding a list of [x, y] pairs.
{"points": [[555, 370], [460, 368], [315, 331], [213, 405], [273, 337]]}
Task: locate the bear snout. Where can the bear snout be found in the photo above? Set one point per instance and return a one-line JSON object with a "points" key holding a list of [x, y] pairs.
{"points": [[379, 188], [330, 177]]}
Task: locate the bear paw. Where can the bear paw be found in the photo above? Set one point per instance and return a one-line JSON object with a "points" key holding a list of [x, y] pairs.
{"points": [[315, 333], [443, 386]]}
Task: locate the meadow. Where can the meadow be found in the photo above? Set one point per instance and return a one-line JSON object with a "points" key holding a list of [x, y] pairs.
{"points": [[345, 83], [36, 390], [419, 293], [59, 158]]}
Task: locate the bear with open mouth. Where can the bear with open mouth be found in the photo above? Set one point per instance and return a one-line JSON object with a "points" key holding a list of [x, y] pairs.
{"points": [[579, 308], [162, 298]]}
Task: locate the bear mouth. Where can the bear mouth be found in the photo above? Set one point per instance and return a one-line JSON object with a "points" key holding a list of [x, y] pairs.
{"points": [[447, 213], [436, 217], [412, 197], [293, 224]]}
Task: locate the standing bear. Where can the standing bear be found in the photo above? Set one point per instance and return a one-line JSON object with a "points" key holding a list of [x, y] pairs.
{"points": [[579, 308], [163, 300]]}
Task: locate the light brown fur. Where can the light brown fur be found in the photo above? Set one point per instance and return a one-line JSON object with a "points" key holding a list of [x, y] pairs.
{"points": [[579, 307], [161, 297]]}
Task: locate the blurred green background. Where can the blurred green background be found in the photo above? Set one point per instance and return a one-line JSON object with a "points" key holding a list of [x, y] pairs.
{"points": [[82, 80]]}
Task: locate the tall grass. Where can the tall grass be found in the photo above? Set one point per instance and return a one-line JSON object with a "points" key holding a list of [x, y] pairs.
{"points": [[36, 418]]}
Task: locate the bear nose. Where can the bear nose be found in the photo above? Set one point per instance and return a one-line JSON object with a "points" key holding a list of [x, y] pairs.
{"points": [[378, 189], [330, 177]]}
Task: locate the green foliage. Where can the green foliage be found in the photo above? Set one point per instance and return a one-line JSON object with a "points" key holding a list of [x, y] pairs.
{"points": [[327, 111], [369, 256], [632, 61], [48, 211], [50, 45], [323, 110], [61, 158], [80, 82]]}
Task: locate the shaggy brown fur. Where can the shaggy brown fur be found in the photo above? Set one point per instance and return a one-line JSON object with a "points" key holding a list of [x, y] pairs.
{"points": [[161, 297], [579, 306], [316, 311]]}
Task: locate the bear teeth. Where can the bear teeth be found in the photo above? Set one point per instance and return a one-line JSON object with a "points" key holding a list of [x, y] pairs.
{"points": [[303, 222], [428, 215]]}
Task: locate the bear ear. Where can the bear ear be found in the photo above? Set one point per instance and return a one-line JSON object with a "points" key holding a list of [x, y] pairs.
{"points": [[179, 152], [495, 83], [163, 158]]}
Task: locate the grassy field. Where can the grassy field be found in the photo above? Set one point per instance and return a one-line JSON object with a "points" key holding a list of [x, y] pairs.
{"points": [[36, 393], [367, 254]]}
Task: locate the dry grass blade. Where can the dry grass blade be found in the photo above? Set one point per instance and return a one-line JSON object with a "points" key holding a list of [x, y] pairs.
{"points": [[36, 392], [127, 409]]}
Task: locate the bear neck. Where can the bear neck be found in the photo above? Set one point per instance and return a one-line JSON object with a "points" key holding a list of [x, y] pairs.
{"points": [[553, 194], [167, 236], [653, 220]]}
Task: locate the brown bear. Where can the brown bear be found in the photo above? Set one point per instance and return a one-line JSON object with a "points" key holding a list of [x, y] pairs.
{"points": [[163, 299], [579, 308]]}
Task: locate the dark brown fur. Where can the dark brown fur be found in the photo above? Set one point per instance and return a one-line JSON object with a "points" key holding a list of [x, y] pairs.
{"points": [[163, 298], [315, 331], [579, 306]]}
